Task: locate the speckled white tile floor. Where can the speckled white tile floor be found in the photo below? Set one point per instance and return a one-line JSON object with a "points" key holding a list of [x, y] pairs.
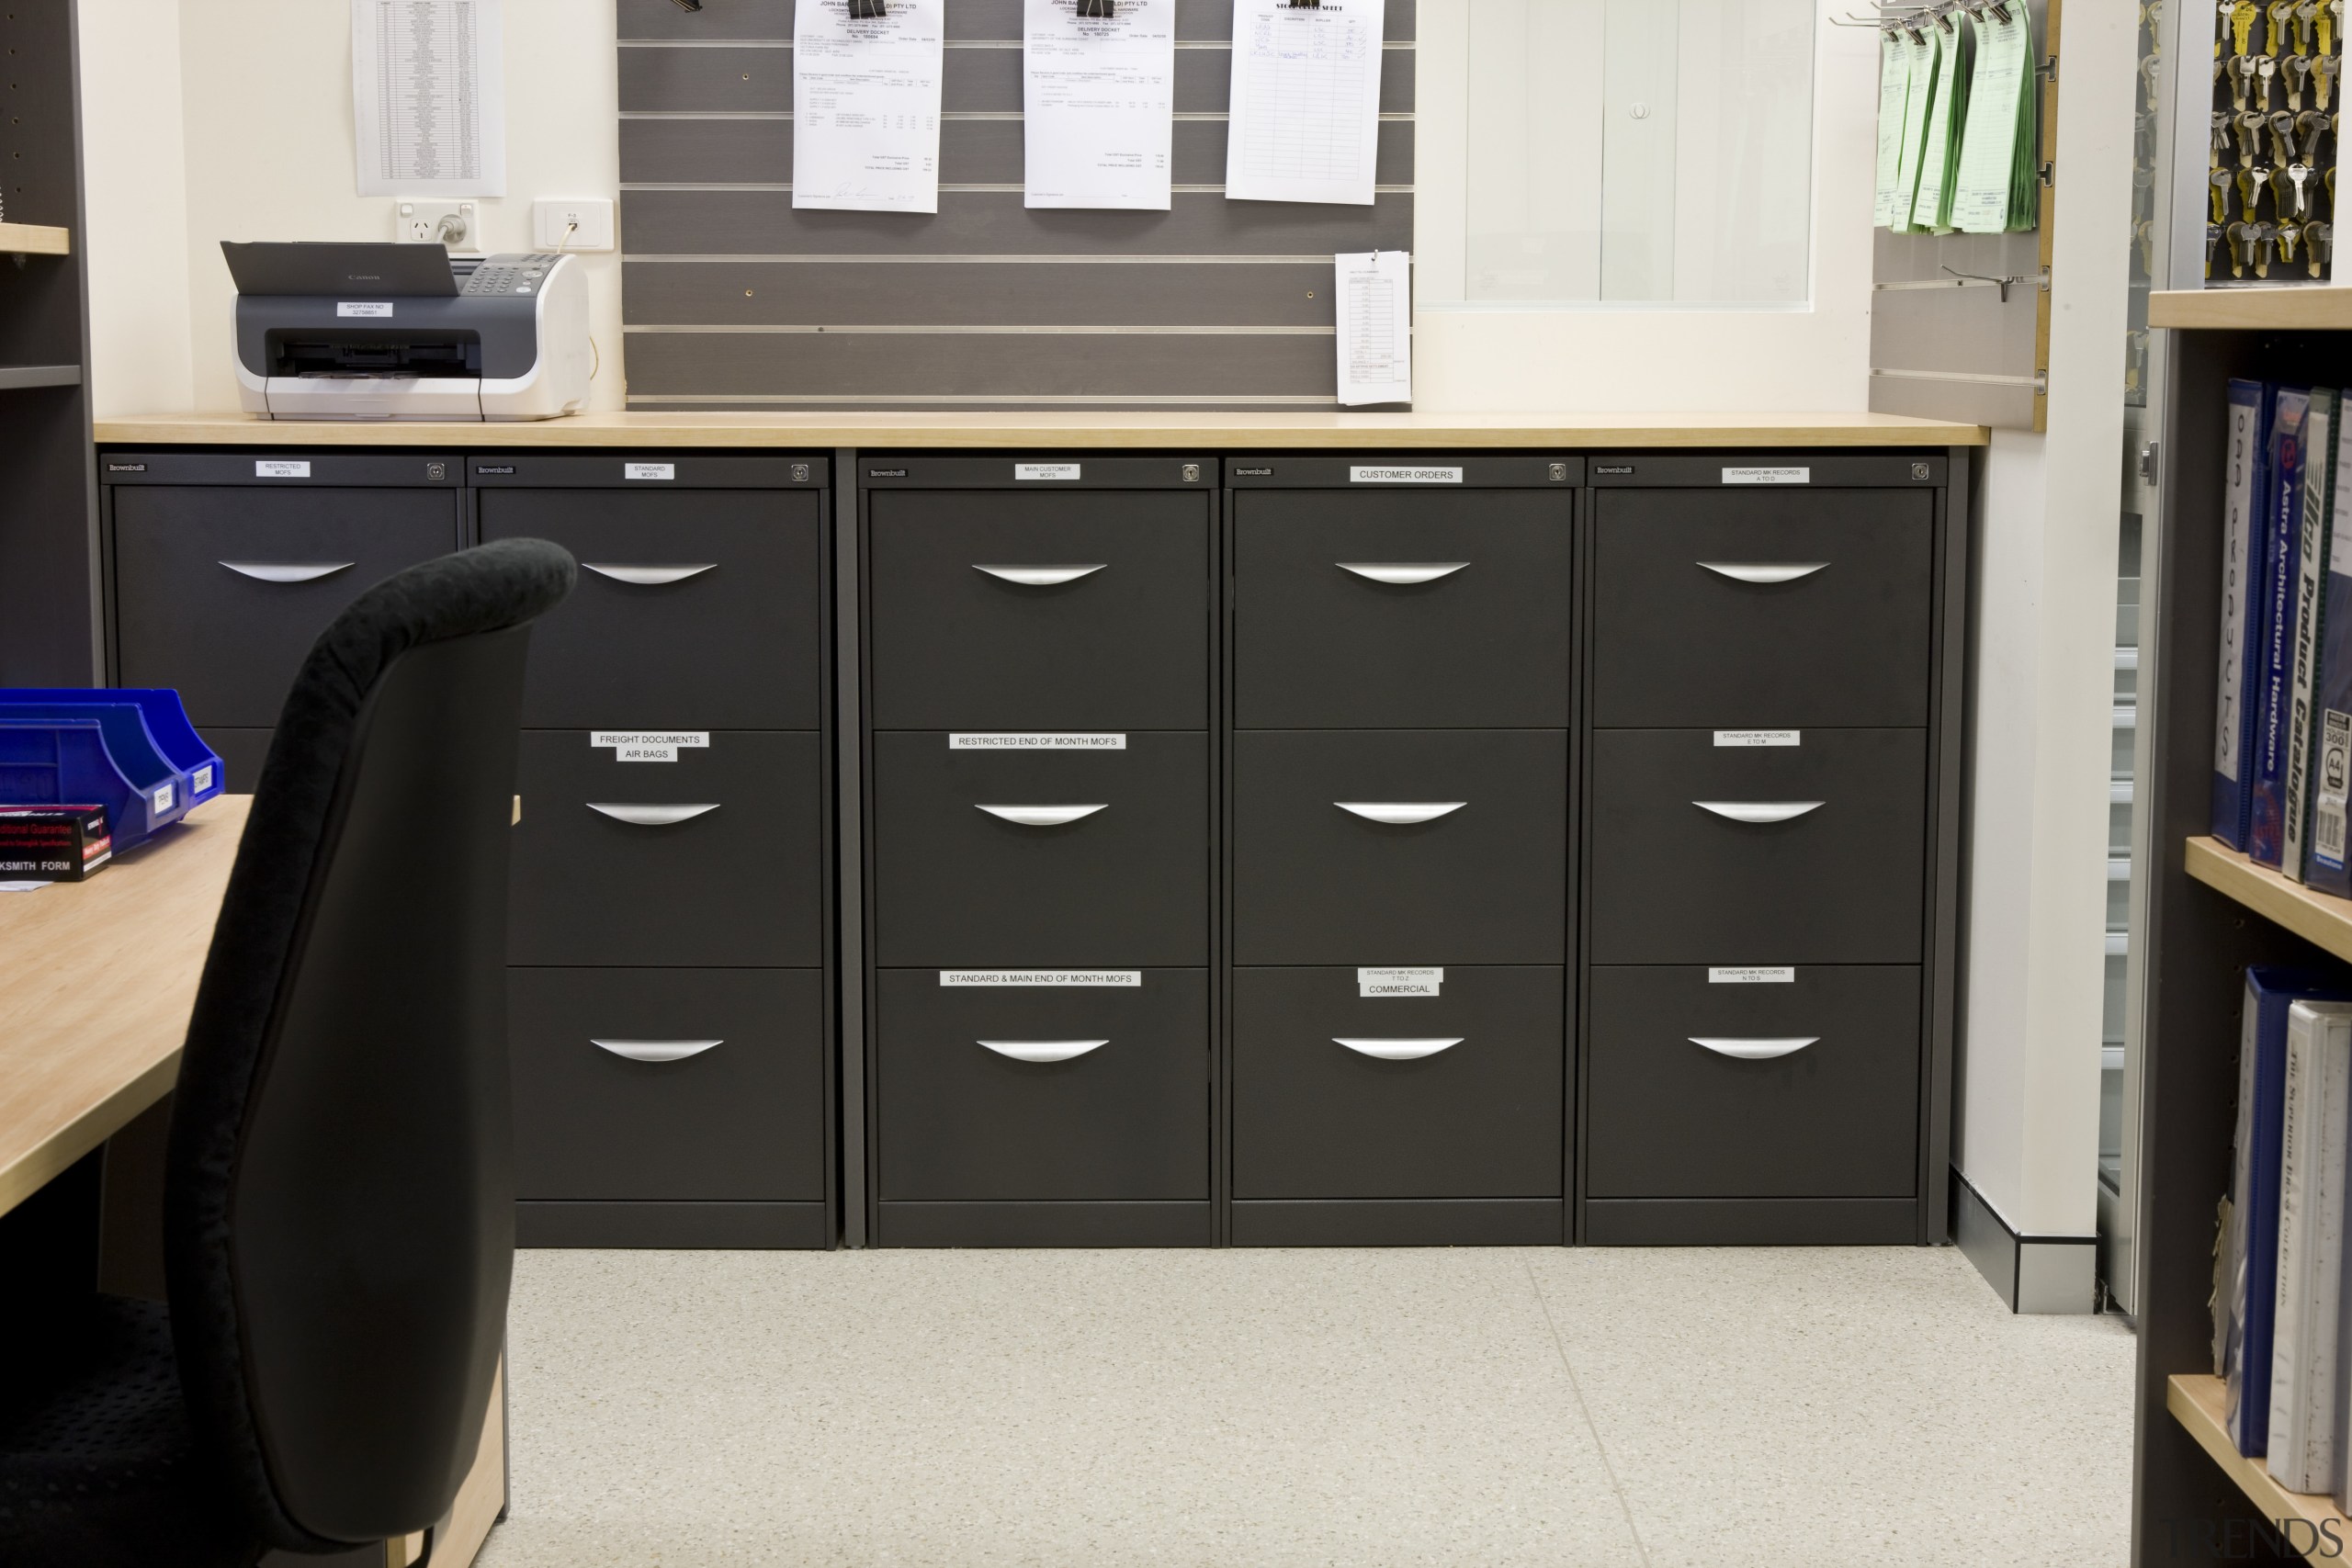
{"points": [[1488, 1408]]}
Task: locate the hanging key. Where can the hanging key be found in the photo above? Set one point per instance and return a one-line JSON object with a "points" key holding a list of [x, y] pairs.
{"points": [[2238, 21], [2240, 71], [2220, 137], [2221, 183], [2266, 72], [2212, 246], [2324, 72], [2282, 135], [2297, 173], [2242, 244], [2319, 238], [2297, 73], [2145, 231], [2251, 125], [2152, 70], [2282, 15], [2306, 25], [2263, 235], [2250, 185], [2310, 126], [2290, 236]]}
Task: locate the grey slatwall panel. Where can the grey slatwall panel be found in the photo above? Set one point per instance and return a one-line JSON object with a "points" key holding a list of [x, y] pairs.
{"points": [[732, 298], [981, 152]]}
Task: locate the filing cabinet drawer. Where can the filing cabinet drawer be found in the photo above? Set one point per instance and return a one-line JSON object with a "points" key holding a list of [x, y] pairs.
{"points": [[715, 858], [974, 863], [1033, 1093], [220, 590], [1761, 607], [695, 608], [1807, 1089], [1014, 610], [1811, 854], [1336, 1095], [1414, 610], [709, 1084], [1400, 846]]}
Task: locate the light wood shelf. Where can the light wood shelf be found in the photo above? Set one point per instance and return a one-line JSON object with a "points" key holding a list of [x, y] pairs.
{"points": [[2311, 308], [2324, 1536], [35, 239], [2320, 919]]}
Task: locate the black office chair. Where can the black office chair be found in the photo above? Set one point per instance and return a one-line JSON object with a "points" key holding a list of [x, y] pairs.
{"points": [[339, 1206]]}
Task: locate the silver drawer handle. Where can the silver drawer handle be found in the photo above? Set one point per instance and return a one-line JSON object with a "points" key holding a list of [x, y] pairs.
{"points": [[1759, 811], [656, 1050], [1397, 1050], [649, 576], [1764, 570], [1040, 576], [1753, 1050], [1043, 1050], [648, 816], [1402, 571], [286, 570], [1041, 815], [1400, 811]]}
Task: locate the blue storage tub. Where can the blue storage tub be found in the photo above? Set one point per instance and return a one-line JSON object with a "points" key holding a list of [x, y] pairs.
{"points": [[133, 751]]}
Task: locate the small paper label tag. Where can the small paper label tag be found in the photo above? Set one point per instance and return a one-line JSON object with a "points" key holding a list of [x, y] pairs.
{"points": [[377, 307], [1367, 476], [1092, 978], [279, 468], [1758, 737], [648, 745], [1768, 476], [649, 470], [1399, 981], [1040, 742], [1065, 471], [164, 796], [1752, 975], [201, 780]]}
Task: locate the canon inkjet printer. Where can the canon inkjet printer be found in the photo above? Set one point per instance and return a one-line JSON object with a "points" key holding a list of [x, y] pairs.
{"points": [[408, 332]]}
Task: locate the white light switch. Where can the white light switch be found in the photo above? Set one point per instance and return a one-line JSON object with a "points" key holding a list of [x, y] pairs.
{"points": [[582, 225]]}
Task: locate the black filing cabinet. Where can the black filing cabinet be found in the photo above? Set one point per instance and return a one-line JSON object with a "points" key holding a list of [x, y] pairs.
{"points": [[1767, 820], [1402, 708], [671, 932], [1041, 767]]}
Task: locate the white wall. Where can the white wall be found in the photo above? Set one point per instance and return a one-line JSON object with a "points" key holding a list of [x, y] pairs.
{"points": [[135, 199]]}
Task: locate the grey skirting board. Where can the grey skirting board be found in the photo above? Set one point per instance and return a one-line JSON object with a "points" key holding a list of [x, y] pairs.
{"points": [[1044, 1225], [1400, 1221], [1751, 1222], [749, 1226]]}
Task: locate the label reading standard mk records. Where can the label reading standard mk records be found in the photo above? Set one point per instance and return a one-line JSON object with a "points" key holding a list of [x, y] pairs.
{"points": [[1072, 977], [1768, 476], [1758, 737], [1361, 476], [1752, 976], [1072, 742], [1399, 981]]}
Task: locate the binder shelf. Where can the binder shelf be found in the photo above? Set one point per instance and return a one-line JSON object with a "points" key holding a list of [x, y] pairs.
{"points": [[2308, 1523], [2320, 919], [133, 752]]}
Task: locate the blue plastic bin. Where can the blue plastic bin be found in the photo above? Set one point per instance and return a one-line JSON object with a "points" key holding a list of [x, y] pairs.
{"points": [[167, 727], [75, 746]]}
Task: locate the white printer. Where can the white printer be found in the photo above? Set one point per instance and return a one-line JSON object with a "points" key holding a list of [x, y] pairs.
{"points": [[408, 332]]}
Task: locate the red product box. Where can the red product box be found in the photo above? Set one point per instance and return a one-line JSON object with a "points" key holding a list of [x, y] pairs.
{"points": [[53, 843]]}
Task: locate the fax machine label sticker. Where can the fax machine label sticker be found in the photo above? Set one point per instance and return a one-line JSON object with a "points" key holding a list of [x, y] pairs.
{"points": [[1358, 475], [1768, 476], [1049, 978], [1037, 742], [279, 469], [1062, 471], [373, 309], [648, 745], [649, 470], [1759, 737], [1753, 974], [1399, 981]]}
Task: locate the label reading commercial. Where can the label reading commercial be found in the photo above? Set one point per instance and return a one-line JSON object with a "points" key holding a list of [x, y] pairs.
{"points": [[1047, 978], [649, 470], [1752, 975], [1041, 742], [279, 468], [376, 308], [1399, 981], [1758, 737], [1363, 475], [1768, 476], [1063, 471], [648, 745]]}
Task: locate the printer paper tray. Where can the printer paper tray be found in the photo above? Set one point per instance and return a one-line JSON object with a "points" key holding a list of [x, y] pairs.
{"points": [[362, 396]]}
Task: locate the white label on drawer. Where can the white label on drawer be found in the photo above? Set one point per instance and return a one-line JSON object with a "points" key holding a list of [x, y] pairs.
{"points": [[379, 308], [1752, 975], [163, 797], [649, 470], [1759, 737], [1065, 977], [1768, 476], [201, 780], [1041, 742], [1364, 476], [1399, 981], [648, 745], [1064, 471], [276, 469]]}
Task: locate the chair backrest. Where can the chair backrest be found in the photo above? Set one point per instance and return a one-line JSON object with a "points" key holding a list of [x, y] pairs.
{"points": [[339, 1199]]}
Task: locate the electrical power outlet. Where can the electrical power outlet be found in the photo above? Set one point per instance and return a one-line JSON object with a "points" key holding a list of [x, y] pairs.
{"points": [[456, 224], [582, 225]]}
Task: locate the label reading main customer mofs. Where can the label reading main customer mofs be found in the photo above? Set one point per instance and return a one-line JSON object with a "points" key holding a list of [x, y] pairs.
{"points": [[1046, 470], [1046, 977], [1768, 476], [1362, 476], [648, 745], [1753, 976], [1399, 981], [1037, 742]]}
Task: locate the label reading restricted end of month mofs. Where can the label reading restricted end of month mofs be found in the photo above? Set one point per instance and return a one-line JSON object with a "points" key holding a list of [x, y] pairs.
{"points": [[1399, 981], [1001, 978], [1759, 737], [1072, 741], [1753, 974]]}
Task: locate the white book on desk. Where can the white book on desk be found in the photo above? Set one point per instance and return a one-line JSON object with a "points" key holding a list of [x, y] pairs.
{"points": [[2311, 1246]]}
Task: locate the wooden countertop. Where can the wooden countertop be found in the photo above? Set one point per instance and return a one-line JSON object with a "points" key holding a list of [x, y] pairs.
{"points": [[101, 977], [816, 430]]}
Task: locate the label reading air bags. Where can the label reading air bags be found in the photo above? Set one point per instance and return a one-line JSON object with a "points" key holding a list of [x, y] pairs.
{"points": [[1005, 979], [647, 745], [1399, 981]]}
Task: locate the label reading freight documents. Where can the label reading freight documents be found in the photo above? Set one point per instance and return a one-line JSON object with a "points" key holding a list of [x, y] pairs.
{"points": [[2334, 776], [1046, 978], [1399, 981], [278, 468], [1362, 476], [1768, 476], [1759, 737], [1752, 975], [1064, 471], [376, 307], [648, 745], [1042, 742], [649, 470]]}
